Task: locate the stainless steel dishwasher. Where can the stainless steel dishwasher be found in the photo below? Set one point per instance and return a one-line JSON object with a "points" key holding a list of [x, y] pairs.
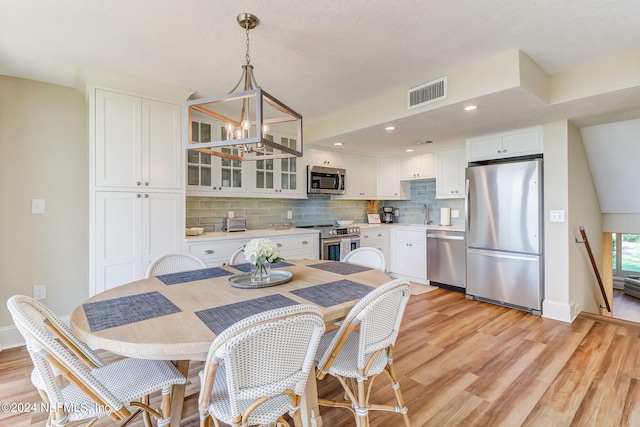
{"points": [[446, 259]]}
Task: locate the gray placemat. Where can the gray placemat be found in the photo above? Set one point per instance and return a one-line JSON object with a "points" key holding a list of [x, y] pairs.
{"points": [[343, 268], [220, 318], [193, 275], [246, 267], [122, 311], [334, 293]]}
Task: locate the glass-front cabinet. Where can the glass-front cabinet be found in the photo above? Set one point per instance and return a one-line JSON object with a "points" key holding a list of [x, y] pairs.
{"points": [[278, 176], [207, 173], [211, 175]]}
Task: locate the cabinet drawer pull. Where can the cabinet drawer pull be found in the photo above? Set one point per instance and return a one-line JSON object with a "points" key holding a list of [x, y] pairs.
{"points": [[138, 195], [379, 235], [146, 184], [146, 196], [279, 245], [304, 242], [366, 236], [208, 251]]}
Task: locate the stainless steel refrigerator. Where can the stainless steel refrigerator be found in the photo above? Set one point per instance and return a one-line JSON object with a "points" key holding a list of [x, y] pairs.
{"points": [[504, 234]]}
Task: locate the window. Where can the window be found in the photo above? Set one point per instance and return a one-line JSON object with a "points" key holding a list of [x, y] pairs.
{"points": [[626, 254]]}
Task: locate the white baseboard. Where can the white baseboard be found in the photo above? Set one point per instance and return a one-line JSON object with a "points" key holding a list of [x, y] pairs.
{"points": [[557, 310], [11, 338]]}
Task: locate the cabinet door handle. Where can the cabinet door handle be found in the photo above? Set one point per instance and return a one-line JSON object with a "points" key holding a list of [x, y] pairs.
{"points": [[146, 184], [138, 183], [146, 196], [208, 251], [365, 236], [379, 235], [138, 195], [304, 242], [504, 151]]}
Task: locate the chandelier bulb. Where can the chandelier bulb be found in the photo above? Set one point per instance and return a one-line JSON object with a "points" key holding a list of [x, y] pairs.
{"points": [[246, 124], [265, 129]]}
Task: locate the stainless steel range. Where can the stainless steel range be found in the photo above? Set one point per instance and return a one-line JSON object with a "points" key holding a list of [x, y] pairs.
{"points": [[336, 242]]}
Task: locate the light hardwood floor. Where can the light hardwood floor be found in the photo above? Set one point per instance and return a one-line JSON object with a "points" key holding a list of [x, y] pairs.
{"points": [[468, 363]]}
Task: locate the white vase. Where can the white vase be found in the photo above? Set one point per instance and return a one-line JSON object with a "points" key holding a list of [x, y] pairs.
{"points": [[260, 273]]}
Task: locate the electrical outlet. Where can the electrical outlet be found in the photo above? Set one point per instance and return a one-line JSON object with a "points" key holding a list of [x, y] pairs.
{"points": [[40, 292], [230, 215], [289, 214], [455, 213], [37, 206], [556, 216]]}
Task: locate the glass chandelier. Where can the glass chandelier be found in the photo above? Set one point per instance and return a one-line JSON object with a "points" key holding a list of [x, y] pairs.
{"points": [[247, 118]]}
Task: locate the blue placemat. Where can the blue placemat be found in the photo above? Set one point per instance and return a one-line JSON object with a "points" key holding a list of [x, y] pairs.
{"points": [[220, 318], [334, 293], [193, 275], [343, 268], [122, 311], [246, 267]]}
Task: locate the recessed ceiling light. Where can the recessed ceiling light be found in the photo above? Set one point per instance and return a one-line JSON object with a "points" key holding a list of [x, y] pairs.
{"points": [[428, 141], [470, 107], [390, 128], [409, 150], [338, 144]]}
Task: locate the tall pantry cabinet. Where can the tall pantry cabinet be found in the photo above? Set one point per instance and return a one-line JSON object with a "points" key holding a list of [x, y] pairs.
{"points": [[137, 185]]}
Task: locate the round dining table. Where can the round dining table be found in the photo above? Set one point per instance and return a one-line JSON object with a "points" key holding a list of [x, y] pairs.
{"points": [[177, 316]]}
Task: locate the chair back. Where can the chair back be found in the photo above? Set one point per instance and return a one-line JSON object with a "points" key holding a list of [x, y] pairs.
{"points": [[56, 352], [174, 263], [379, 315], [367, 257], [265, 355], [238, 257]]}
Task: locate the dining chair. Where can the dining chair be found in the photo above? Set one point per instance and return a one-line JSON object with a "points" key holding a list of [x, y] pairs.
{"points": [[256, 370], [362, 348], [76, 384], [237, 257], [367, 257], [174, 263]]}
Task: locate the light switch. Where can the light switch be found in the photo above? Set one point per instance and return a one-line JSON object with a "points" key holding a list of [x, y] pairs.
{"points": [[455, 213], [556, 216], [37, 206]]}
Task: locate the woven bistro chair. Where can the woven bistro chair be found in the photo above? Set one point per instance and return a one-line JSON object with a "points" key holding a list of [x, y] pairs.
{"points": [[257, 369], [174, 263], [362, 348], [76, 384], [367, 257], [237, 257]]}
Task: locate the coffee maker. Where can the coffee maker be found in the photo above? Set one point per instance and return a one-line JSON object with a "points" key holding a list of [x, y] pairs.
{"points": [[387, 215]]}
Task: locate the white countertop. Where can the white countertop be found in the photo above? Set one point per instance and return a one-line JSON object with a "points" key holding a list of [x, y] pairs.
{"points": [[220, 235], [425, 226]]}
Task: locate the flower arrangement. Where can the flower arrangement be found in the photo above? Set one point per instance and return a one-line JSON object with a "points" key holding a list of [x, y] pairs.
{"points": [[261, 253], [257, 251]]}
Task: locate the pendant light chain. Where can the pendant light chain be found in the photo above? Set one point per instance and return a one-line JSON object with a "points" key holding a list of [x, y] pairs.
{"points": [[247, 56]]}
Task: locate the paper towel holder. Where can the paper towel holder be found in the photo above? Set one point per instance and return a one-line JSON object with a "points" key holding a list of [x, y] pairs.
{"points": [[445, 216]]}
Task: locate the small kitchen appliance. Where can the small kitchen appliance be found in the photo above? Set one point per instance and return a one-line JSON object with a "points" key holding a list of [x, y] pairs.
{"points": [[234, 224], [387, 215]]}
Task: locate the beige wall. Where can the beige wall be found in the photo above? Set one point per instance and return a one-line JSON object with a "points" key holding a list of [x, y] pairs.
{"points": [[584, 210], [43, 155]]}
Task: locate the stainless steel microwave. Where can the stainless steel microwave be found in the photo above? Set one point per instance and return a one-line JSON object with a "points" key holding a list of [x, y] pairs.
{"points": [[325, 180]]}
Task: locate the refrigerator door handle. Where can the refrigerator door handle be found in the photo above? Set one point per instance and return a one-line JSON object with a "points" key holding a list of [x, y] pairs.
{"points": [[466, 205], [503, 255]]}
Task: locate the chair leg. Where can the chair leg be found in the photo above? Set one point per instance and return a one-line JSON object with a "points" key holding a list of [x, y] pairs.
{"points": [[396, 390], [362, 413]]}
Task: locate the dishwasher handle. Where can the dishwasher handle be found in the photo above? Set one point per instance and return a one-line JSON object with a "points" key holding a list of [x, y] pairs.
{"points": [[444, 237]]}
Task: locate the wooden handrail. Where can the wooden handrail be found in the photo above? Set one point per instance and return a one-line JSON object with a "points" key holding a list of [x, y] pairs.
{"points": [[595, 267]]}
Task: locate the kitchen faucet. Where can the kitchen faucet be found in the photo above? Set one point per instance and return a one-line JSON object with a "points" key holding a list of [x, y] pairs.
{"points": [[425, 211]]}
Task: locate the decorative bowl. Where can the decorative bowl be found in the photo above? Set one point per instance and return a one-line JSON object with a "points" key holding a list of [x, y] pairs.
{"points": [[195, 231], [344, 222]]}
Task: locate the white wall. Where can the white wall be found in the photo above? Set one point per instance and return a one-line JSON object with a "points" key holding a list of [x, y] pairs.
{"points": [[43, 155]]}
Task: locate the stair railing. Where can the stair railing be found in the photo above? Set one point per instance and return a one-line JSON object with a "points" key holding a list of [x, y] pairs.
{"points": [[595, 266]]}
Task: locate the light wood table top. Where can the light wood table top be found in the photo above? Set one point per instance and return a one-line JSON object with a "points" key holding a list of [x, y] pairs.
{"points": [[182, 335]]}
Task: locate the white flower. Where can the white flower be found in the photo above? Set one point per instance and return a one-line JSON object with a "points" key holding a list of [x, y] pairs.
{"points": [[257, 251]]}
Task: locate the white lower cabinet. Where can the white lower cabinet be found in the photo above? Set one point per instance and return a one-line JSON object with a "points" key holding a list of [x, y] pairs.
{"points": [[217, 251], [376, 237], [409, 253], [131, 230]]}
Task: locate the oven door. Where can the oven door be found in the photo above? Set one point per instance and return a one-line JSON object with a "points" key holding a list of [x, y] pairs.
{"points": [[336, 249]]}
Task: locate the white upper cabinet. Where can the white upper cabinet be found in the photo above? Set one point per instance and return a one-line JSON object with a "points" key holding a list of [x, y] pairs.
{"points": [[316, 156], [522, 142], [361, 177], [279, 177], [450, 182], [417, 167], [137, 142], [389, 185]]}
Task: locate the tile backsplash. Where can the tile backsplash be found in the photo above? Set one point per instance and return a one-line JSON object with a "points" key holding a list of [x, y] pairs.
{"points": [[208, 212]]}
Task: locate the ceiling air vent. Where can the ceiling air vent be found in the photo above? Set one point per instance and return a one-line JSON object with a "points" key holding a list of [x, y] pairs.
{"points": [[427, 93]]}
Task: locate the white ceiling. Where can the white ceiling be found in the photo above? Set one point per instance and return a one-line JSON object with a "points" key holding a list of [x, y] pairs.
{"points": [[326, 58]]}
